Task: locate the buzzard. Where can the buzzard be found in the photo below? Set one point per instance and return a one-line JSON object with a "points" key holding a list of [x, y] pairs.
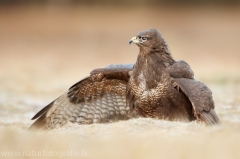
{"points": [[156, 86]]}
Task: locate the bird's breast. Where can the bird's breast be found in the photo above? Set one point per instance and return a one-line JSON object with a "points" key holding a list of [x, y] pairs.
{"points": [[149, 96]]}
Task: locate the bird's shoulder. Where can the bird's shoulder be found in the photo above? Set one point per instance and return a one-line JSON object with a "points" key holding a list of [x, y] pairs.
{"points": [[181, 69]]}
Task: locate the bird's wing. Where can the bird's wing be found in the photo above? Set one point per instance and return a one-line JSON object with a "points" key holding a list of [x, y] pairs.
{"points": [[98, 98], [181, 69], [201, 98]]}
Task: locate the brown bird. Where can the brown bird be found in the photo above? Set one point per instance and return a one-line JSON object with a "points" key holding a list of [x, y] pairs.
{"points": [[156, 86]]}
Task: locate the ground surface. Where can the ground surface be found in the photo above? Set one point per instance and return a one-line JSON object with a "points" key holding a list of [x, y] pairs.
{"points": [[46, 49]]}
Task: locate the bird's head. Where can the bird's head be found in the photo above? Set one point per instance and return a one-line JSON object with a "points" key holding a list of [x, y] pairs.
{"points": [[151, 41], [148, 39]]}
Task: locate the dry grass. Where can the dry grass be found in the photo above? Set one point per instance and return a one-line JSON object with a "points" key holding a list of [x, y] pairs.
{"points": [[44, 50]]}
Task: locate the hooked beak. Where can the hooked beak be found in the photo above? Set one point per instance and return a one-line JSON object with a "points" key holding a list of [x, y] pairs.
{"points": [[134, 40]]}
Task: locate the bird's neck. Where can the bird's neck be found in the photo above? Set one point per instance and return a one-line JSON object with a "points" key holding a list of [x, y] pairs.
{"points": [[149, 69]]}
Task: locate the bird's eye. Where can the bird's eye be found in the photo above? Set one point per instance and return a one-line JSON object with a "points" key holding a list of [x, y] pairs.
{"points": [[143, 38]]}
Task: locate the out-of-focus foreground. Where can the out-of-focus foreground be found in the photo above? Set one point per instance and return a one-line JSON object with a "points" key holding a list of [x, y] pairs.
{"points": [[44, 49]]}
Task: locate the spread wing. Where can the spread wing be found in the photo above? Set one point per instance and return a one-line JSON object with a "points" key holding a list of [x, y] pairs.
{"points": [[201, 98], [98, 98]]}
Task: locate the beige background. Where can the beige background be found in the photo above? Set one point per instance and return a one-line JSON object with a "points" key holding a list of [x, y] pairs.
{"points": [[44, 49]]}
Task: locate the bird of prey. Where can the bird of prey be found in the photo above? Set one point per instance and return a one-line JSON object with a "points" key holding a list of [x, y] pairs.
{"points": [[156, 86]]}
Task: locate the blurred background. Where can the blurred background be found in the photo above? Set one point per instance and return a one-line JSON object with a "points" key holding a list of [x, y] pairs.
{"points": [[48, 45]]}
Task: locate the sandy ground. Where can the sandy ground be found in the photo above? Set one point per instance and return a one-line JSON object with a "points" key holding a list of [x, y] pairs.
{"points": [[46, 49]]}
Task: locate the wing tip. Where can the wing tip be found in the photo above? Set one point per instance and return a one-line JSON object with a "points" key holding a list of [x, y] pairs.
{"points": [[42, 111], [40, 116], [39, 123], [210, 117]]}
